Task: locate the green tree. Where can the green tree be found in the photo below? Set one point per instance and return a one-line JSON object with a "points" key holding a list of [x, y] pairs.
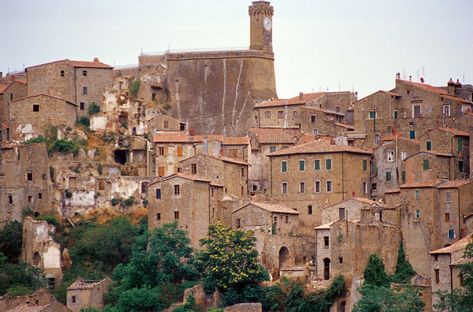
{"points": [[404, 270], [375, 274], [93, 109], [134, 88], [10, 240], [19, 277], [230, 258]]}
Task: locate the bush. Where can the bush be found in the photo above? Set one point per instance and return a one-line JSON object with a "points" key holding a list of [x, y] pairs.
{"points": [[64, 147], [84, 121], [404, 270], [19, 290], [93, 109], [26, 212], [10, 240], [39, 139], [134, 88], [128, 202], [115, 201], [50, 219]]}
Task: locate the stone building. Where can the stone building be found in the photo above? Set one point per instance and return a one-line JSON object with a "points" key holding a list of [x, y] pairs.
{"points": [[431, 216], [40, 250], [318, 121], [86, 294], [78, 82], [9, 92], [194, 84], [389, 164], [192, 201], [165, 123], [231, 173], [264, 141], [279, 241], [315, 175], [24, 180], [39, 301], [410, 109], [445, 273], [429, 166], [33, 115]]}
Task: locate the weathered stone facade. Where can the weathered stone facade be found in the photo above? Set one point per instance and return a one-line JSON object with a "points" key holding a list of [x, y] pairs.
{"points": [[86, 294]]}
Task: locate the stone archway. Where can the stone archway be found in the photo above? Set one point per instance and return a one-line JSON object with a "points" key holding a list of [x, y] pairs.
{"points": [[326, 268], [36, 259], [283, 257]]}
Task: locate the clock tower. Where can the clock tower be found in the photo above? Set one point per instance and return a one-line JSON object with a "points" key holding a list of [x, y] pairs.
{"points": [[261, 26]]}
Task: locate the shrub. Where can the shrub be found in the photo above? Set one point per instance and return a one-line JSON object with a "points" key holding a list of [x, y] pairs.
{"points": [[39, 139], [84, 121], [26, 212], [115, 201], [134, 88], [145, 203], [128, 202], [93, 109], [64, 147], [19, 290], [50, 219]]}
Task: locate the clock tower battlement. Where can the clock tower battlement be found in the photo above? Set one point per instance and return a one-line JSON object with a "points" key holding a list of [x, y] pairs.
{"points": [[261, 26]]}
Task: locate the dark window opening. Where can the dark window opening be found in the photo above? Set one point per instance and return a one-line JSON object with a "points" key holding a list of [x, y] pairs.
{"points": [[82, 105], [10, 198], [309, 209], [84, 90], [40, 195], [121, 156], [35, 108], [326, 241], [84, 73], [177, 189], [158, 193], [193, 168], [62, 73], [29, 176], [176, 215], [158, 216]]}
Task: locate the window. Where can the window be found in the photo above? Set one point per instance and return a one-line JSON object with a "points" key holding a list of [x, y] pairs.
{"points": [[446, 110], [286, 219], [460, 144], [82, 105], [29, 176], [403, 176], [158, 193], [428, 145], [179, 151], [460, 165], [365, 165], [280, 114], [309, 209], [451, 234], [395, 114], [294, 114], [302, 187], [176, 215], [62, 73], [177, 189], [448, 197], [326, 241], [133, 131], [84, 90], [301, 165], [315, 131], [317, 187], [412, 134], [284, 188], [73, 299], [416, 111], [372, 115], [35, 107], [329, 186], [390, 156], [425, 164], [374, 186], [365, 188], [10, 198], [437, 276], [388, 176], [158, 216], [377, 138], [341, 213], [238, 223], [403, 155], [283, 166], [193, 168], [447, 217], [161, 150], [417, 194], [417, 214], [272, 149], [328, 164], [340, 259], [84, 73], [40, 195], [312, 118], [30, 199], [267, 114], [317, 164], [166, 124]]}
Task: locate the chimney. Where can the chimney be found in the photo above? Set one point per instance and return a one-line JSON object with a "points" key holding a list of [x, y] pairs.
{"points": [[410, 77], [206, 146], [451, 87], [422, 79], [301, 95], [96, 59], [398, 76], [1, 74]]}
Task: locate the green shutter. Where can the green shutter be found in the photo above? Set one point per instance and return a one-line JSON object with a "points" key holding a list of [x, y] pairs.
{"points": [[460, 144], [301, 165], [365, 165], [317, 164], [328, 164], [425, 164], [283, 166]]}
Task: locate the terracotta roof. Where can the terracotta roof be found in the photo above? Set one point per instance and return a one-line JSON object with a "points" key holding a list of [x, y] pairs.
{"points": [[297, 100], [454, 131], [84, 284], [271, 207], [379, 91], [208, 137], [28, 308], [46, 95], [344, 126], [454, 184], [236, 141], [276, 135], [3, 87], [21, 80], [222, 158], [78, 64], [436, 90], [306, 138], [181, 175], [423, 184], [326, 111], [392, 191], [459, 245], [318, 147], [431, 153], [172, 138]]}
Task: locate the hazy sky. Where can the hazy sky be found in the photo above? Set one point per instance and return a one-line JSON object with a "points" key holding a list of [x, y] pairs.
{"points": [[318, 44]]}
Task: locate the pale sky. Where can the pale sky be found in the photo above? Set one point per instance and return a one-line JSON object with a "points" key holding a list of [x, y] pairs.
{"points": [[318, 44]]}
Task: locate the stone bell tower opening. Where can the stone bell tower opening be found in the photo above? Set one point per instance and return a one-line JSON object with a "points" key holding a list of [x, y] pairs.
{"points": [[261, 26]]}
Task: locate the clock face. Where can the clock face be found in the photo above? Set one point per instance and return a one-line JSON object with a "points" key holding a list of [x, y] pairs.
{"points": [[267, 23]]}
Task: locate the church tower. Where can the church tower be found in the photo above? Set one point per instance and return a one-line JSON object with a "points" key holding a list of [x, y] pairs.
{"points": [[261, 26]]}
